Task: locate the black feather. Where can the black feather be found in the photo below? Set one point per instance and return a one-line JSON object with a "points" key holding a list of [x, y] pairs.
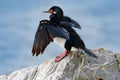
{"points": [[90, 53], [45, 34], [66, 21]]}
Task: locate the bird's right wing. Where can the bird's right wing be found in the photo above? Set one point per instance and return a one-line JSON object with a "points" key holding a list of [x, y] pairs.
{"points": [[45, 34]]}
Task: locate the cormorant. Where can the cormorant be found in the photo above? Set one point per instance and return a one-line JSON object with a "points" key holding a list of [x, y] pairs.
{"points": [[59, 30]]}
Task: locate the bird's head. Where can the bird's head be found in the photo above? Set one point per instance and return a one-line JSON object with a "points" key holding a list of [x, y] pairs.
{"points": [[55, 10]]}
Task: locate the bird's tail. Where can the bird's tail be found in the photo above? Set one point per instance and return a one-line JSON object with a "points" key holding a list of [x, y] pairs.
{"points": [[90, 53]]}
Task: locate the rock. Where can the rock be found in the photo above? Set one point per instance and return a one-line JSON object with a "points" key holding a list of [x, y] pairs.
{"points": [[76, 66], [3, 77]]}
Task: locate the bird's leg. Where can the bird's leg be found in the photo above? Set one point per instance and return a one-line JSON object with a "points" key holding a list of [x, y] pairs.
{"points": [[61, 56]]}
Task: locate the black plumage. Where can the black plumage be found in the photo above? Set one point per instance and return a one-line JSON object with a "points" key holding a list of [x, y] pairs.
{"points": [[45, 34], [58, 26]]}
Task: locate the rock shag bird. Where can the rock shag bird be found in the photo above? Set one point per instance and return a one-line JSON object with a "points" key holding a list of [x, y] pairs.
{"points": [[59, 30]]}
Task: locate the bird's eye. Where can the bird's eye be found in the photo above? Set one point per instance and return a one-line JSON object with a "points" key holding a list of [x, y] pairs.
{"points": [[51, 11]]}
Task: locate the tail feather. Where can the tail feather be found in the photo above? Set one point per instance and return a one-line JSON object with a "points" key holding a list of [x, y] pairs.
{"points": [[90, 53]]}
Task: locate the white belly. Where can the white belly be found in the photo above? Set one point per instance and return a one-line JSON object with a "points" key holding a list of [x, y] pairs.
{"points": [[61, 42]]}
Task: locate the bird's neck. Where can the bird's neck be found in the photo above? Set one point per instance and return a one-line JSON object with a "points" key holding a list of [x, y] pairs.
{"points": [[55, 19]]}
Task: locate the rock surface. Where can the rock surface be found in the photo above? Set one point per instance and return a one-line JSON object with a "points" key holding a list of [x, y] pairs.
{"points": [[76, 66]]}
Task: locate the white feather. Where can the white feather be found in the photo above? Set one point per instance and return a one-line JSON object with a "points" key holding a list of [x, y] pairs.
{"points": [[61, 42]]}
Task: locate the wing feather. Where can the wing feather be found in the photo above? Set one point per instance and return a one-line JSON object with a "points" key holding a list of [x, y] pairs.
{"points": [[67, 21], [45, 34]]}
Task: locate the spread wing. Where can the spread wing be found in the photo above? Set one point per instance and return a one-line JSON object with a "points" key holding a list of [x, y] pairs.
{"points": [[45, 34], [70, 22]]}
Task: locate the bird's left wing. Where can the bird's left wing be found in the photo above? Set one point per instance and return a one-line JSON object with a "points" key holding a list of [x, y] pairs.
{"points": [[45, 34], [66, 21]]}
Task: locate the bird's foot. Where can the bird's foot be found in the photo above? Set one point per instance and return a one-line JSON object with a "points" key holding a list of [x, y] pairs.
{"points": [[61, 56]]}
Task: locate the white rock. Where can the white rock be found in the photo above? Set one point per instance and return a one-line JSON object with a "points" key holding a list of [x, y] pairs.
{"points": [[75, 66], [3, 77]]}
